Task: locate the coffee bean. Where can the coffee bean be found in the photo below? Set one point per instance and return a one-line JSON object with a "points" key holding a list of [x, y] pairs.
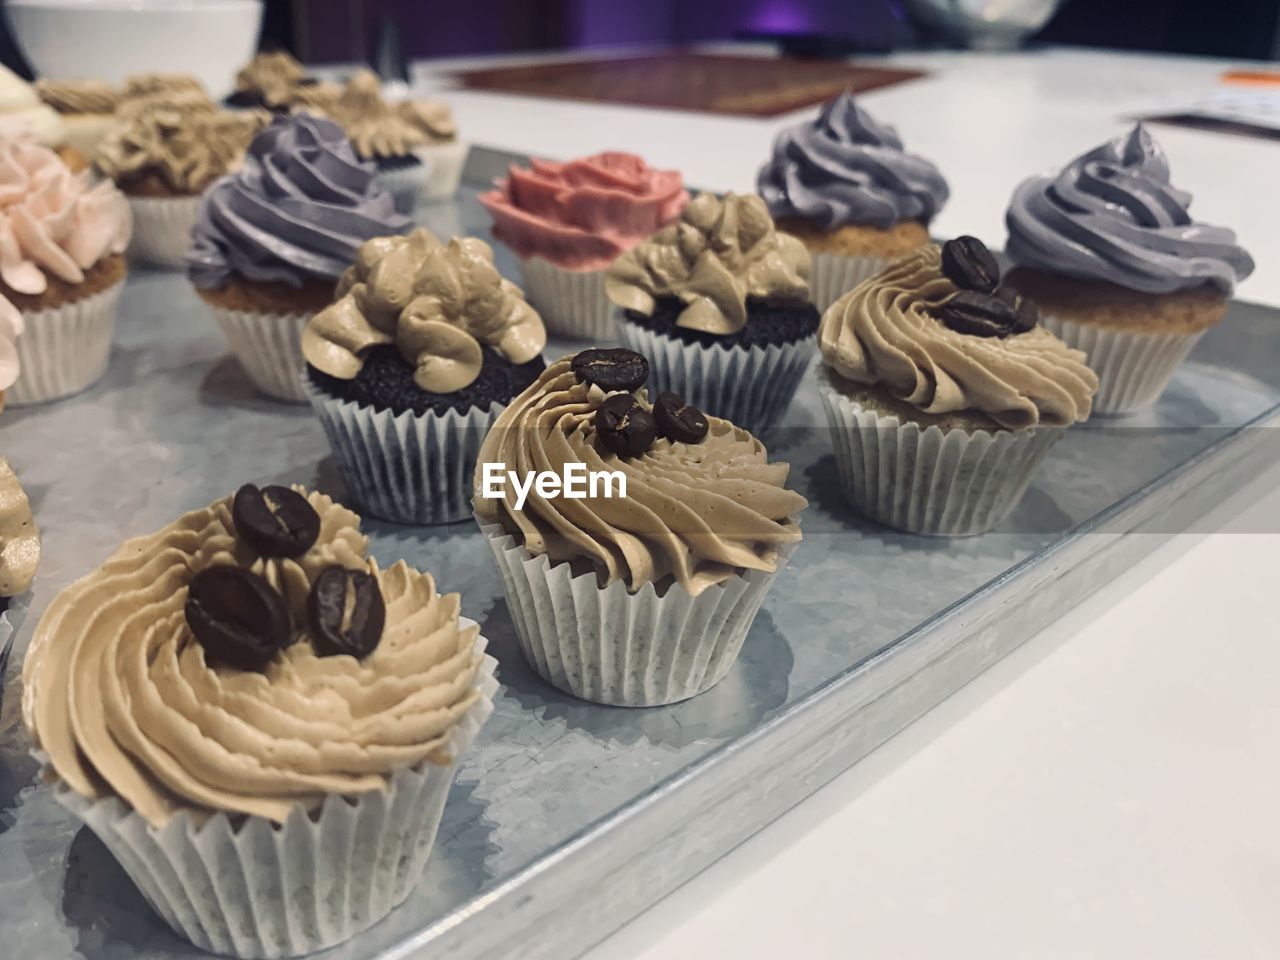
{"points": [[346, 612], [275, 521], [677, 420], [239, 618], [624, 426], [614, 369], [1027, 314], [968, 264], [978, 315]]}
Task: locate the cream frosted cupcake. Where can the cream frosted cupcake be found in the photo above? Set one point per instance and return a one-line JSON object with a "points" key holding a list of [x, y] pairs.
{"points": [[163, 156], [234, 698], [408, 368], [19, 557], [568, 222], [1108, 248], [61, 271], [645, 597], [719, 303], [847, 188], [942, 393], [273, 239]]}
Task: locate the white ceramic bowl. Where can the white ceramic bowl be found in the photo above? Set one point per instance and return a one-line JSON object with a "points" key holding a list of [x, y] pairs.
{"points": [[112, 39]]}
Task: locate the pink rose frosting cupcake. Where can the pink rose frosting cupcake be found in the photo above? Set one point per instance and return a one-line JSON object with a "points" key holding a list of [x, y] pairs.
{"points": [[62, 267], [567, 222]]}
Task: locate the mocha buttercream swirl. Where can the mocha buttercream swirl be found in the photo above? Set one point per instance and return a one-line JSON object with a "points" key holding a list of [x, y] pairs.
{"points": [[298, 209], [844, 168], [78, 96], [376, 128], [19, 538], [441, 305], [1111, 214], [696, 514], [886, 332], [719, 254], [582, 214], [162, 84], [185, 149], [118, 693], [433, 117]]}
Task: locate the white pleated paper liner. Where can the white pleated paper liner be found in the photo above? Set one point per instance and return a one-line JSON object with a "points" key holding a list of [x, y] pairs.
{"points": [[750, 387], [405, 467], [609, 646], [407, 184], [64, 350], [447, 161], [833, 275], [269, 348], [162, 229], [10, 622], [572, 302], [247, 887], [1133, 367], [944, 484]]}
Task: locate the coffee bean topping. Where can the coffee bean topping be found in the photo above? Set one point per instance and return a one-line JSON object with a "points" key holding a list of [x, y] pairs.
{"points": [[614, 369], [237, 617], [346, 612], [275, 521], [624, 426], [677, 420], [968, 264], [979, 315], [1026, 313]]}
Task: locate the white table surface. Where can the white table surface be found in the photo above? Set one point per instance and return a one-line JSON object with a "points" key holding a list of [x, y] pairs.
{"points": [[1111, 790]]}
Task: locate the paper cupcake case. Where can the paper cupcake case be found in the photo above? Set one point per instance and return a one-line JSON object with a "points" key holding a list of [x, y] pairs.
{"points": [[162, 229], [446, 161], [405, 467], [1133, 368], [65, 349], [247, 887], [926, 481], [572, 302], [750, 387], [609, 646], [832, 276], [407, 185], [269, 348]]}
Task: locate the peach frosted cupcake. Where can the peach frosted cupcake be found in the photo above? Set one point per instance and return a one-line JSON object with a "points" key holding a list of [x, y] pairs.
{"points": [[62, 268], [568, 222]]}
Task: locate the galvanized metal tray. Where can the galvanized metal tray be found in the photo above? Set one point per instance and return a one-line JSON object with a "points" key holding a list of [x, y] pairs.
{"points": [[567, 818]]}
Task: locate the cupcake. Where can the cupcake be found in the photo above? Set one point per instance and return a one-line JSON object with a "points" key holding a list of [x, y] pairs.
{"points": [[567, 222], [182, 86], [23, 114], [86, 107], [245, 701], [275, 81], [443, 152], [1109, 251], [719, 303], [19, 557], [163, 156], [640, 591], [942, 392], [846, 187], [411, 365], [273, 239], [62, 267]]}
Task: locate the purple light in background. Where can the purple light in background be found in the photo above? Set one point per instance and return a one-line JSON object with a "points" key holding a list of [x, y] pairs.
{"points": [[780, 16]]}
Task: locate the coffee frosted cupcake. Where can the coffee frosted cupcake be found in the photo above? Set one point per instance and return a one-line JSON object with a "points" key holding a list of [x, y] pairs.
{"points": [[567, 222], [164, 155], [719, 303], [273, 239], [845, 185], [19, 557], [86, 107], [644, 597], [274, 80], [422, 349], [942, 392], [62, 267], [234, 698], [1108, 248]]}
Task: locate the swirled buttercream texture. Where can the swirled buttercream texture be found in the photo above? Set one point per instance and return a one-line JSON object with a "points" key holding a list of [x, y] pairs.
{"points": [[1111, 214], [19, 537]]}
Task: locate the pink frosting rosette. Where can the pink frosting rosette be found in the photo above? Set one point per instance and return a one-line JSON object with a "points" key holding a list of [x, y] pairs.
{"points": [[582, 214], [52, 222]]}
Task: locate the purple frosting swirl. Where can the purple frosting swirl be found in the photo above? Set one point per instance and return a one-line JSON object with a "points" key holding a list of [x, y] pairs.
{"points": [[844, 168], [298, 209], [1111, 214]]}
